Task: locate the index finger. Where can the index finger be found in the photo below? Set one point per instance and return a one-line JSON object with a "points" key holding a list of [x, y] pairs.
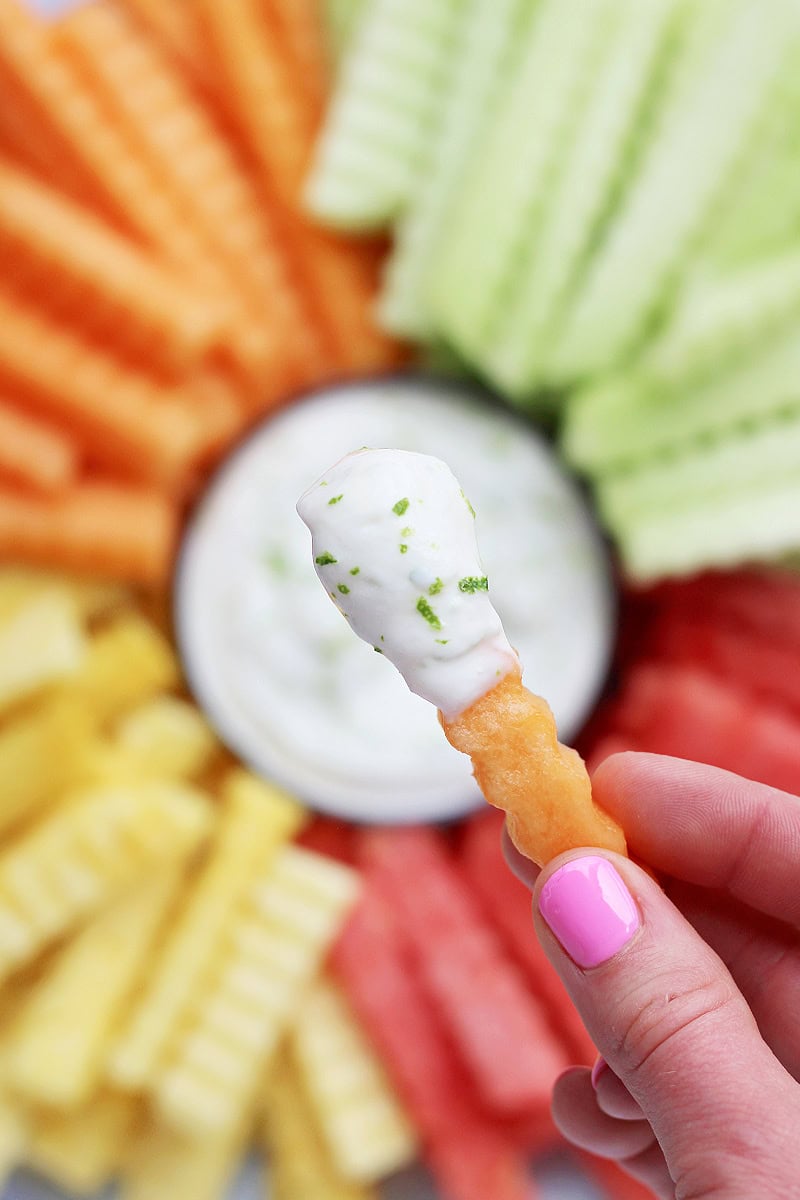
{"points": [[707, 826]]}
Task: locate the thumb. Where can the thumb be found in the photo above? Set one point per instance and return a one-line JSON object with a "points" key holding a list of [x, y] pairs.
{"points": [[669, 1020]]}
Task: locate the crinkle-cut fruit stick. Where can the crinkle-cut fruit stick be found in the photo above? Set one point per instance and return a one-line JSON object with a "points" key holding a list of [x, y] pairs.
{"points": [[128, 663], [41, 642], [81, 1150], [132, 297], [726, 319], [617, 106], [511, 737], [86, 852], [770, 670], [302, 27], [42, 752], [175, 27], [763, 602], [300, 1162], [255, 821], [273, 947], [708, 120], [170, 735], [508, 903], [688, 713], [162, 1164], [366, 1130], [169, 127], [93, 599], [57, 1054], [494, 227], [13, 1136], [266, 96], [625, 419], [35, 454], [382, 984], [498, 1025], [490, 32], [375, 143], [123, 417]]}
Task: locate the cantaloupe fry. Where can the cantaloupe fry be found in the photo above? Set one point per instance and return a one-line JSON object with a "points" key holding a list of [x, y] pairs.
{"points": [[168, 125], [175, 27], [119, 532], [40, 643], [57, 1053], [163, 1164], [86, 852], [128, 663], [132, 296], [255, 820], [367, 1132], [300, 1163], [34, 453], [267, 99], [81, 1150], [302, 27], [41, 753], [272, 948], [170, 736]]}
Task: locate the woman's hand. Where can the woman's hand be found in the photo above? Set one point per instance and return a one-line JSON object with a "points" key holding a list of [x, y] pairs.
{"points": [[691, 993]]}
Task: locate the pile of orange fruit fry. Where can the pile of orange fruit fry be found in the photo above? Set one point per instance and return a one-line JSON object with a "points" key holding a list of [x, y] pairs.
{"points": [[160, 288]]}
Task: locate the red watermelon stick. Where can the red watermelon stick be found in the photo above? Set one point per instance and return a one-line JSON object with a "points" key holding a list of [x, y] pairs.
{"points": [[507, 902], [762, 601], [471, 1157], [498, 1025]]}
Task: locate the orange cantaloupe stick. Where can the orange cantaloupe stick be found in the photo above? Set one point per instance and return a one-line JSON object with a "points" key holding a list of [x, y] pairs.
{"points": [[114, 274], [33, 453], [106, 529], [170, 126], [175, 27], [123, 417], [520, 766], [88, 155], [303, 33], [265, 92]]}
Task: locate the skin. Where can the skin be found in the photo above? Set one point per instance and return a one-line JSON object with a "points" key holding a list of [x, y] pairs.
{"points": [[697, 1017]]}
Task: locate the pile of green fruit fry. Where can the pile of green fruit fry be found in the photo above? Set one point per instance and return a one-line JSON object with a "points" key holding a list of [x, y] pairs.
{"points": [[597, 207]]}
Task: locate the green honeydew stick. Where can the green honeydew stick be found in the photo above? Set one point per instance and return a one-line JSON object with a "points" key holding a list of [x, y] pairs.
{"points": [[613, 121], [491, 31], [374, 146], [691, 165], [498, 213]]}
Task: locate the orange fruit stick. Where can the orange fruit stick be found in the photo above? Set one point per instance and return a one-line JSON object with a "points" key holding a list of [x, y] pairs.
{"points": [[104, 529], [33, 453]]}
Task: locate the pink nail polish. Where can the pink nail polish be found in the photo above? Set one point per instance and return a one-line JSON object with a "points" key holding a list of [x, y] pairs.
{"points": [[589, 909], [600, 1065]]}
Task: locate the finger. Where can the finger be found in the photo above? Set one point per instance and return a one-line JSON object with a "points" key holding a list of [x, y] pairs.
{"points": [[611, 1094], [577, 1116], [668, 808], [762, 955], [667, 1017]]}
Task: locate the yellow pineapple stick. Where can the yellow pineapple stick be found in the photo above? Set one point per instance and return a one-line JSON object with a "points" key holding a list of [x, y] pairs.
{"points": [[255, 820], [170, 737], [56, 1054], [92, 598], [273, 948], [85, 853], [367, 1133], [40, 643], [164, 1165], [81, 1150], [41, 753], [13, 1136], [299, 1160]]}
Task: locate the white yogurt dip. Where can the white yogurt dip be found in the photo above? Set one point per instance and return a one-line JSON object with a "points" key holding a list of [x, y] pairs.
{"points": [[277, 669], [393, 542]]}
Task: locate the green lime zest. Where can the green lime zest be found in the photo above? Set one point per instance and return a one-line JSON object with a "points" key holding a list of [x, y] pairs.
{"points": [[336, 499], [400, 507], [473, 583], [424, 609], [355, 570], [435, 587], [343, 588], [466, 501], [403, 548], [325, 560]]}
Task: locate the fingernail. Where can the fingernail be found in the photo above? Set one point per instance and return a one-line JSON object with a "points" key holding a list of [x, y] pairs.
{"points": [[589, 909], [600, 1065]]}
